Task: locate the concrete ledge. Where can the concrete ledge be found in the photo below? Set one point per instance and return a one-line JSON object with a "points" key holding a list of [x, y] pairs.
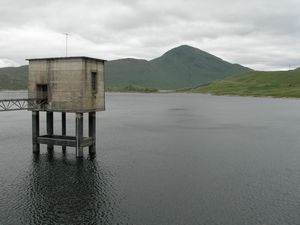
{"points": [[64, 140]]}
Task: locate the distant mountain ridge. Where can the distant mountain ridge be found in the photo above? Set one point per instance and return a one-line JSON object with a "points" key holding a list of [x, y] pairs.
{"points": [[183, 66], [180, 67], [13, 78]]}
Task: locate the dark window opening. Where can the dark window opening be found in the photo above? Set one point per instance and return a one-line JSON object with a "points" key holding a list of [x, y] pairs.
{"points": [[42, 91], [42, 94], [94, 81]]}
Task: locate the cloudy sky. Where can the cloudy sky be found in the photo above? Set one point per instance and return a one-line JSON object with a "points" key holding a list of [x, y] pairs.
{"points": [[261, 34]]}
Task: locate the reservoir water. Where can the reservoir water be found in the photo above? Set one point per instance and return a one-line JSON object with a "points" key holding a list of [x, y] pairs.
{"points": [[162, 159]]}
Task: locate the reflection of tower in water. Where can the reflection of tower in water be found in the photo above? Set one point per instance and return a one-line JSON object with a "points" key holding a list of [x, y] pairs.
{"points": [[69, 191]]}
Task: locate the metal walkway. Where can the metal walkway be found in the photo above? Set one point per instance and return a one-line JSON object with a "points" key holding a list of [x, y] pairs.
{"points": [[21, 104]]}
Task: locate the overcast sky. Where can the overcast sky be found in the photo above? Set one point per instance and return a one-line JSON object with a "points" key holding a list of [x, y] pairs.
{"points": [[261, 34]]}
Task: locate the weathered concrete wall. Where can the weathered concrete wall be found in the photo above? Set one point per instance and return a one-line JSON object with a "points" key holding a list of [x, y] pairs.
{"points": [[38, 74], [98, 67], [69, 83]]}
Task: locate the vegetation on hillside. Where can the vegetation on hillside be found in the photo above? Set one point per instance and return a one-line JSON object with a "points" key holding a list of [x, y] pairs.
{"points": [[13, 78], [130, 88], [183, 66], [276, 84]]}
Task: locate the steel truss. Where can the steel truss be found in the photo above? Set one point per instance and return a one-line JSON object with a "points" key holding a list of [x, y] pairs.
{"points": [[22, 104]]}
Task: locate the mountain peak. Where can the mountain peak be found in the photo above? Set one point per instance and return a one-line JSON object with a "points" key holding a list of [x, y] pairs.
{"points": [[187, 53], [183, 66], [185, 47]]}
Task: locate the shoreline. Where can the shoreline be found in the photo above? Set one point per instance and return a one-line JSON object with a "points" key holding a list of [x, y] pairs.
{"points": [[176, 92]]}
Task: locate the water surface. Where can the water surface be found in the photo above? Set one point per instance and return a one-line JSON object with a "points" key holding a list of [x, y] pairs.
{"points": [[161, 159]]}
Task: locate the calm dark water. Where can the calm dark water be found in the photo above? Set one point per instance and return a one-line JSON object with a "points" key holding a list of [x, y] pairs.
{"points": [[161, 159]]}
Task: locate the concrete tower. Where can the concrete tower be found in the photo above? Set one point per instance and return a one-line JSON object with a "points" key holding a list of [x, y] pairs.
{"points": [[66, 85]]}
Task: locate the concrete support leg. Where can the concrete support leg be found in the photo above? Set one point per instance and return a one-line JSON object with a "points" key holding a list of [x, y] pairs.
{"points": [[63, 127], [49, 128], [92, 132], [35, 131], [79, 134]]}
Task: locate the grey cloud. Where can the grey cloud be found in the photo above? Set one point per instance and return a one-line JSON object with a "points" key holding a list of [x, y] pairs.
{"points": [[263, 34]]}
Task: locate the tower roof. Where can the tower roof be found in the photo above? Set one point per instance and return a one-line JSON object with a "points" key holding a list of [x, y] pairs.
{"points": [[70, 57]]}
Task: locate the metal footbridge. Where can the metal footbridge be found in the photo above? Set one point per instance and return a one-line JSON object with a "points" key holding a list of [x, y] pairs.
{"points": [[12, 101], [21, 104]]}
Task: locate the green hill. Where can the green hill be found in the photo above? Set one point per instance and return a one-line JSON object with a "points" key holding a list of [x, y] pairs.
{"points": [[13, 78], [276, 84], [184, 66], [131, 88]]}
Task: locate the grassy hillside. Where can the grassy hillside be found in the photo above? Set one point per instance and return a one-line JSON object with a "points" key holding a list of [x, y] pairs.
{"points": [[276, 84], [130, 88], [180, 67], [183, 66], [13, 78]]}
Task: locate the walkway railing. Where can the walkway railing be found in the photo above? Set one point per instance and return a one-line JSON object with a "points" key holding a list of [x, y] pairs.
{"points": [[21, 104], [24, 100], [18, 100]]}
